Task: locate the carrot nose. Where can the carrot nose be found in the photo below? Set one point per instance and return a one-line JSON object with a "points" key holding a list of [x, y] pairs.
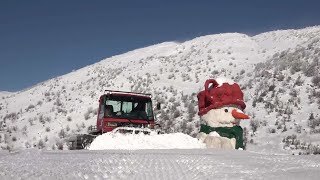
{"points": [[239, 115]]}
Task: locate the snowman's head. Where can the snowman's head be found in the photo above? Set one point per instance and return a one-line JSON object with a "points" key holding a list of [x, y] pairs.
{"points": [[226, 116], [219, 94]]}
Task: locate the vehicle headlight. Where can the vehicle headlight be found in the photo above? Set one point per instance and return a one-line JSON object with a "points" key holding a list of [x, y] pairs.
{"points": [[150, 126]]}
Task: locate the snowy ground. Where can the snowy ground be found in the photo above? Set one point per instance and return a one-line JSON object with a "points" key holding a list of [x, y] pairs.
{"points": [[156, 164]]}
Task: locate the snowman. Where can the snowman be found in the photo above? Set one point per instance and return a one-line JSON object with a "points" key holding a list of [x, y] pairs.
{"points": [[221, 110]]}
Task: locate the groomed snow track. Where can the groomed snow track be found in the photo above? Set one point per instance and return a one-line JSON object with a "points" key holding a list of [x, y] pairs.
{"points": [[156, 164]]}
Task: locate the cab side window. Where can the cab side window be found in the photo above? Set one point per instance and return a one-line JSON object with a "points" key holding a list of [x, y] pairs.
{"points": [[101, 111]]}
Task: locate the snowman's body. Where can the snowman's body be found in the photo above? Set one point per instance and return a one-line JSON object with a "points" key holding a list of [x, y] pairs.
{"points": [[221, 114], [217, 142]]}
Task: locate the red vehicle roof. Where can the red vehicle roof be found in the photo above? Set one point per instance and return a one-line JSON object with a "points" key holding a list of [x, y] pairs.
{"points": [[123, 93]]}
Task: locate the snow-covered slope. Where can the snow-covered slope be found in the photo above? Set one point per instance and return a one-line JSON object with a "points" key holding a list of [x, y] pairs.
{"points": [[4, 94], [44, 115]]}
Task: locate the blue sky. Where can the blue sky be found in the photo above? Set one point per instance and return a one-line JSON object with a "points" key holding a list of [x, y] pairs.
{"points": [[43, 39]]}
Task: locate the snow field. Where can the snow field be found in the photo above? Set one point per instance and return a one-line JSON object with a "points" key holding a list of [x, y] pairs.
{"points": [[156, 164]]}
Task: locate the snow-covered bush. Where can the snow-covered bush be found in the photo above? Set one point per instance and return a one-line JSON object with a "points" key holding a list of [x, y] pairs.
{"points": [[30, 107], [41, 144], [316, 80], [87, 115], [254, 124], [62, 133]]}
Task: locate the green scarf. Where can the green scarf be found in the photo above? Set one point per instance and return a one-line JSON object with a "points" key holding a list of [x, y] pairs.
{"points": [[228, 132]]}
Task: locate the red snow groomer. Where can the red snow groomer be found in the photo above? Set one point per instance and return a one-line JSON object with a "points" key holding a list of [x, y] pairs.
{"points": [[124, 112], [217, 96]]}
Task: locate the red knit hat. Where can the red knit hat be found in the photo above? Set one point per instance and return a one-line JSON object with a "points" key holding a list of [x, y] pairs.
{"points": [[217, 96]]}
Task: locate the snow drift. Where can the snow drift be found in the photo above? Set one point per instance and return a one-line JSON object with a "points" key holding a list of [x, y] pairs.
{"points": [[141, 141]]}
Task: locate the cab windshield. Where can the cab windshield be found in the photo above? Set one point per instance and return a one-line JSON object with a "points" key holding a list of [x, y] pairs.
{"points": [[127, 107]]}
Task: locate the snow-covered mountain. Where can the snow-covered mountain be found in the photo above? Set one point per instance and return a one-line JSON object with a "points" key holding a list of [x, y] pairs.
{"points": [[278, 72], [4, 93]]}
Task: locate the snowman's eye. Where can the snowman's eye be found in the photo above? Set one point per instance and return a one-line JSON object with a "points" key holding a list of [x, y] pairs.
{"points": [[226, 110]]}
